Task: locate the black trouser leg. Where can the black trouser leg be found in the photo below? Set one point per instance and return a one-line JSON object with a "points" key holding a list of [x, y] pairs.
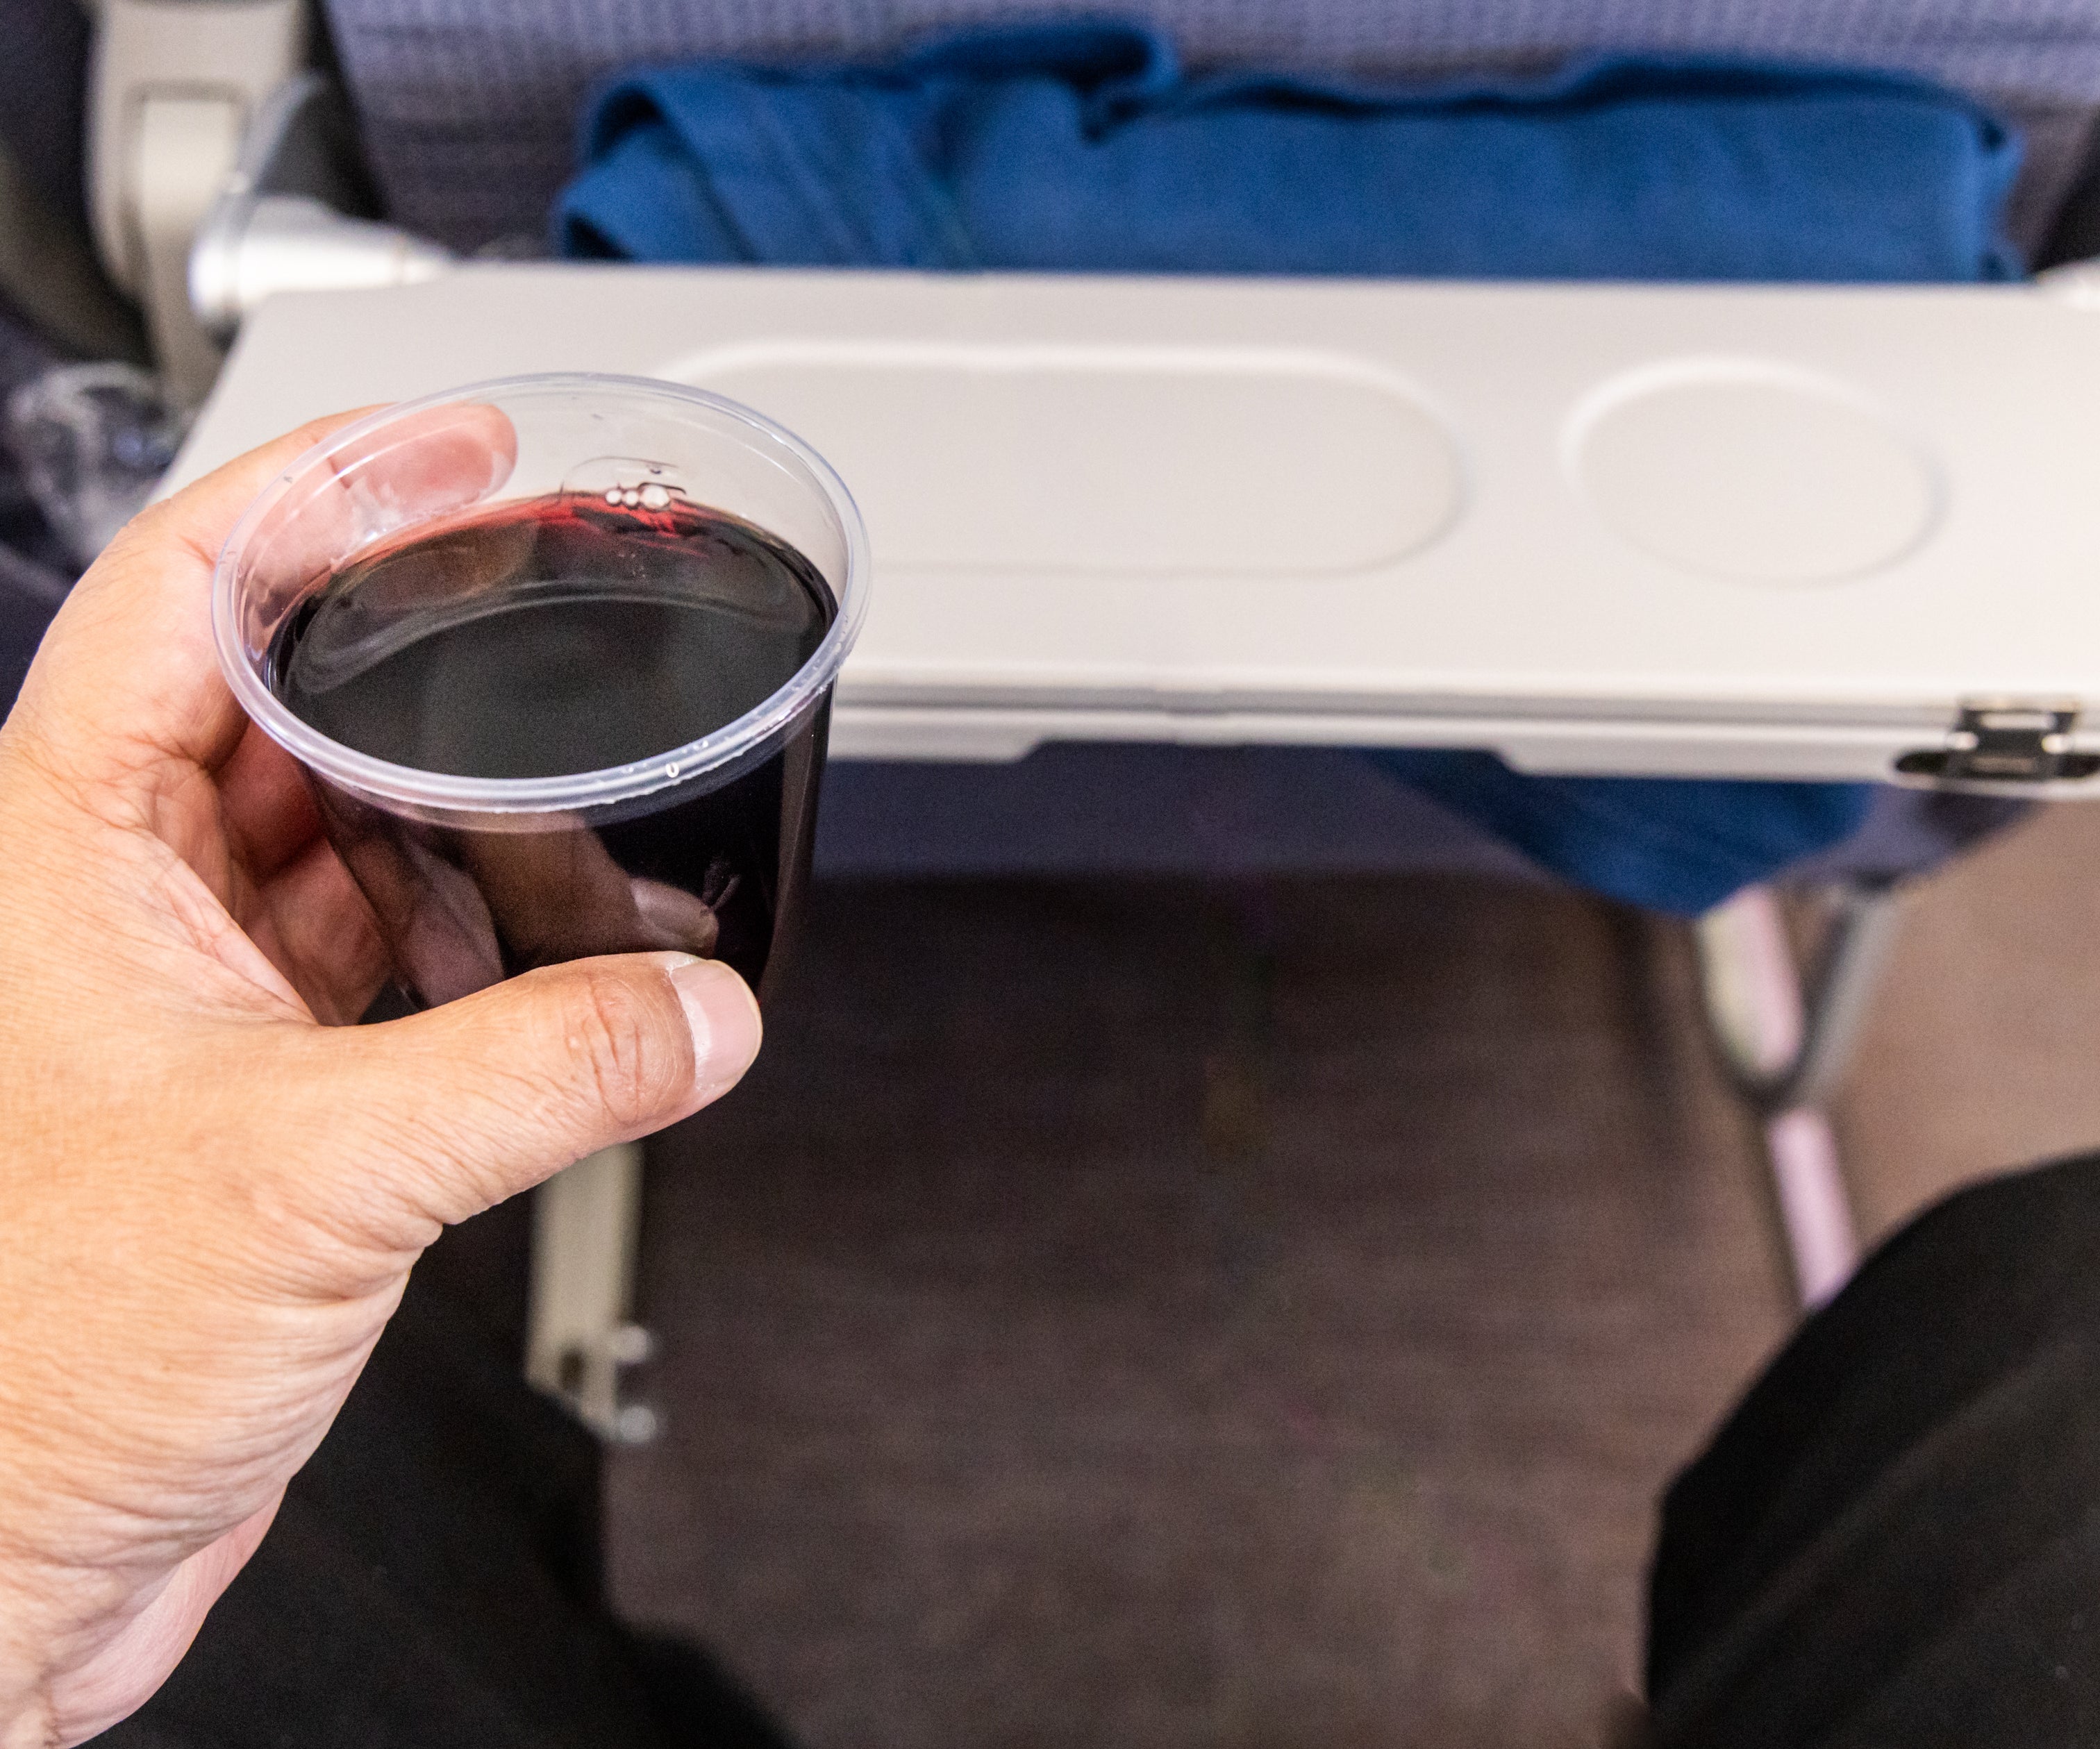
{"points": [[1895, 1539], [433, 1583]]}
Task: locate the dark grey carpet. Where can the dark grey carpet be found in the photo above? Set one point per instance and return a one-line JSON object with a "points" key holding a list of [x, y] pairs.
{"points": [[1151, 1315]]}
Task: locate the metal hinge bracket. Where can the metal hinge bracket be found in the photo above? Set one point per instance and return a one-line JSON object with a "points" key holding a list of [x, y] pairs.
{"points": [[2006, 741]]}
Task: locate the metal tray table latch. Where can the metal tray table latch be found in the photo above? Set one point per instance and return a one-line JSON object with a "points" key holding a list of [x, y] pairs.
{"points": [[2004, 741]]}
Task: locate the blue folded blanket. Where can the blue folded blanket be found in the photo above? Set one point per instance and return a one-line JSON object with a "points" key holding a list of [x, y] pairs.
{"points": [[1085, 147]]}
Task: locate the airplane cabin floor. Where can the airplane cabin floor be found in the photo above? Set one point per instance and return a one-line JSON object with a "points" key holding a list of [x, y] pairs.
{"points": [[1155, 1314], [1161, 1315]]}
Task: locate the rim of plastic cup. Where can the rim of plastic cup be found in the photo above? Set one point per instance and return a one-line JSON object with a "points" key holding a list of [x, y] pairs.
{"points": [[381, 780]]}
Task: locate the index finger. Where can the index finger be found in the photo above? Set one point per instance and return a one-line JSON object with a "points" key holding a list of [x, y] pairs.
{"points": [[129, 670]]}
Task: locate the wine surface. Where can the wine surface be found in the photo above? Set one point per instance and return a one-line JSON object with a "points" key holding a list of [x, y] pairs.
{"points": [[559, 635]]}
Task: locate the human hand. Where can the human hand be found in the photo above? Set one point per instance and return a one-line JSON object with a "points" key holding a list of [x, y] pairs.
{"points": [[210, 1199]]}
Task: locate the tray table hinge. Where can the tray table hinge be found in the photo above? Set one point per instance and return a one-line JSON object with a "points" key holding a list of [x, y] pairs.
{"points": [[2006, 741]]}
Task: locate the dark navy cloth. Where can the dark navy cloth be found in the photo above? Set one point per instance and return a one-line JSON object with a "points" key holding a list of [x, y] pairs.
{"points": [[1675, 844], [35, 569], [43, 102], [1085, 147]]}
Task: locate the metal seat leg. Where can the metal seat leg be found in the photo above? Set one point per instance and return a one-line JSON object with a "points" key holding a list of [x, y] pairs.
{"points": [[1786, 1053], [581, 1336]]}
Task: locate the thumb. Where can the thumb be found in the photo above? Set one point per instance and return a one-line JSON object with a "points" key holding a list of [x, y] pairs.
{"points": [[486, 1095]]}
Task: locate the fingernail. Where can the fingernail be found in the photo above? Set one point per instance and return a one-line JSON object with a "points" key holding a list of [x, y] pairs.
{"points": [[723, 1016]]}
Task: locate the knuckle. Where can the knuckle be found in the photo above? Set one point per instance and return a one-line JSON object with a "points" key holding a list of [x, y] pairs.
{"points": [[322, 425], [634, 1046]]}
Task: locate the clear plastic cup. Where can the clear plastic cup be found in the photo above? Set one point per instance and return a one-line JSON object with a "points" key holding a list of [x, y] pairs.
{"points": [[400, 581]]}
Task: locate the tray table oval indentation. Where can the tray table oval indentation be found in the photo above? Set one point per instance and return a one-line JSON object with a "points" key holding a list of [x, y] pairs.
{"points": [[1751, 470], [1097, 461]]}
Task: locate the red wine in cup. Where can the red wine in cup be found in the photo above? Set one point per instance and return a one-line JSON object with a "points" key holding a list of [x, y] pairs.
{"points": [[561, 635]]}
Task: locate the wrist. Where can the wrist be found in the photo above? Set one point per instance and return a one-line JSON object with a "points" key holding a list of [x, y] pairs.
{"points": [[25, 1712], [31, 1637], [26, 1727]]}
